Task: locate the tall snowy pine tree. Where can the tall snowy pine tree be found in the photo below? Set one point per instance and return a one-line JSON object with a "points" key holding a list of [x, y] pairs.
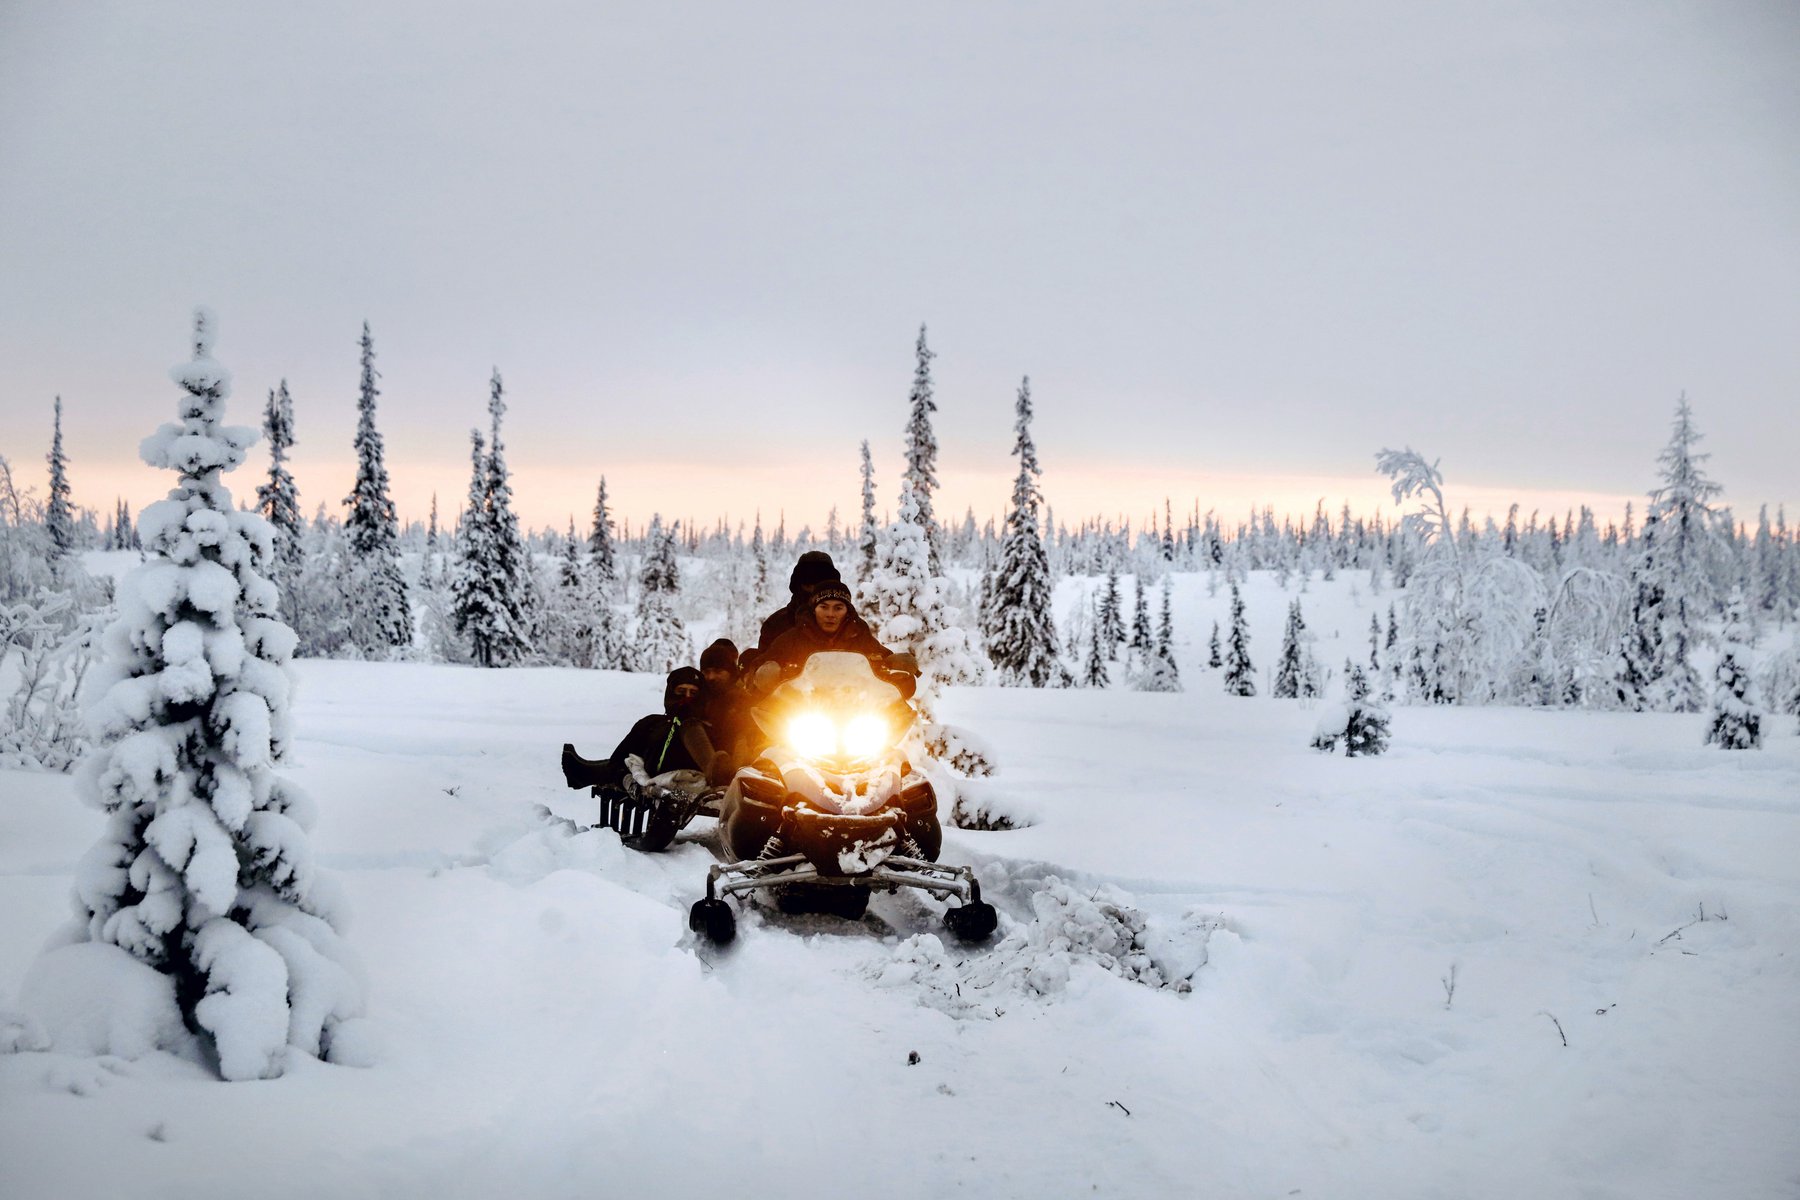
{"points": [[601, 558], [380, 620], [494, 584], [59, 517], [1022, 641], [921, 453], [1240, 676], [203, 871], [865, 542], [1288, 670], [278, 500]]}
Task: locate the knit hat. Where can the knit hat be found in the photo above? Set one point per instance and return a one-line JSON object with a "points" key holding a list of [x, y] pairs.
{"points": [[678, 677], [815, 567], [830, 590], [722, 654]]}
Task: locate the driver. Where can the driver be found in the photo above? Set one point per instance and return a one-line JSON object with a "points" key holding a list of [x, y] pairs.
{"points": [[828, 623]]}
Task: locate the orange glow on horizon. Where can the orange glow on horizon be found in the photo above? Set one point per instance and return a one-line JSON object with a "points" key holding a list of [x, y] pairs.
{"points": [[548, 495]]}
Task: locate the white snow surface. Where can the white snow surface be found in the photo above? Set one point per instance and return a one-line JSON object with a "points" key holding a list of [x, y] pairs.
{"points": [[1223, 967]]}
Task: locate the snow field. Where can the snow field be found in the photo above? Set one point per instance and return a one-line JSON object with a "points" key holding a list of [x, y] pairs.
{"points": [[550, 1028]]}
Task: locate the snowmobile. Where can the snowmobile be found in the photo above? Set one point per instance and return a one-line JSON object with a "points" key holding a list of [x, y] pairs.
{"points": [[833, 809], [830, 812]]}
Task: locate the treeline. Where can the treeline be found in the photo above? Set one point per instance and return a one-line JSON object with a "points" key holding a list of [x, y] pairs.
{"points": [[1529, 608]]}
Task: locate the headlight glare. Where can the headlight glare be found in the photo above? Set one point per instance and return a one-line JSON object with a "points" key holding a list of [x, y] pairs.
{"points": [[812, 734], [865, 736]]}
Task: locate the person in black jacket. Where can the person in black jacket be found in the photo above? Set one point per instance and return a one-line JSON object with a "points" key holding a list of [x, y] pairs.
{"points": [[813, 569], [651, 801], [828, 623], [725, 705]]}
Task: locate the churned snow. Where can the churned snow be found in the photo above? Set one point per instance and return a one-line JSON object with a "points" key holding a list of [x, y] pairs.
{"points": [[1523, 953]]}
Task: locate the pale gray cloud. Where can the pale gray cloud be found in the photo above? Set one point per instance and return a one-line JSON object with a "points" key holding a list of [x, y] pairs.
{"points": [[1225, 240]]}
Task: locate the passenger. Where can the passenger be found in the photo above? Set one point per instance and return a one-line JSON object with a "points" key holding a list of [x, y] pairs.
{"points": [[814, 568], [675, 739], [829, 623], [650, 800], [725, 706]]}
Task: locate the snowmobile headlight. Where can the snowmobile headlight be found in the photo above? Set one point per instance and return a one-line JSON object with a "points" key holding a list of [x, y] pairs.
{"points": [[812, 734], [865, 736]]}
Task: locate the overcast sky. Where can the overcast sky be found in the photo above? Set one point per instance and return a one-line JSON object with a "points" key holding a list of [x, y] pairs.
{"points": [[1238, 247]]}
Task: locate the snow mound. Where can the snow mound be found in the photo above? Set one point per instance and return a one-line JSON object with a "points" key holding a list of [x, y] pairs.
{"points": [[980, 806], [1071, 929], [92, 999], [20, 1032]]}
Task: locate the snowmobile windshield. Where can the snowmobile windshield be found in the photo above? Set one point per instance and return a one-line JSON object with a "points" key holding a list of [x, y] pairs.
{"points": [[835, 710]]}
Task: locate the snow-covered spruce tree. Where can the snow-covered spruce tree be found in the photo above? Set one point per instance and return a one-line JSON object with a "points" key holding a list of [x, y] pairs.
{"points": [[1288, 669], [512, 559], [1682, 505], [1214, 656], [204, 871], [476, 611], [380, 620], [1736, 722], [601, 556], [1159, 673], [905, 606], [59, 517], [1021, 631], [1111, 616], [1142, 638], [1240, 676], [865, 541], [921, 452], [494, 585], [660, 643], [1374, 643], [1359, 722], [321, 619], [1094, 672], [567, 624], [278, 500]]}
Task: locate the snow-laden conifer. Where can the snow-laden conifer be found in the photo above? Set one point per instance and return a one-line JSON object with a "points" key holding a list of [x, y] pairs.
{"points": [[1095, 660], [204, 871], [1159, 673], [1240, 675], [921, 452], [493, 584], [1111, 614], [1142, 638], [1736, 720], [1358, 721], [1021, 631], [865, 540], [905, 606], [278, 500], [1214, 654], [1288, 670], [380, 619], [601, 557], [59, 516], [661, 642]]}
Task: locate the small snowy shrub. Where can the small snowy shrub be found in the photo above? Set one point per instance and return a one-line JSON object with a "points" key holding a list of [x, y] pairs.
{"points": [[1358, 721], [1736, 724], [41, 726], [978, 806], [204, 872]]}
